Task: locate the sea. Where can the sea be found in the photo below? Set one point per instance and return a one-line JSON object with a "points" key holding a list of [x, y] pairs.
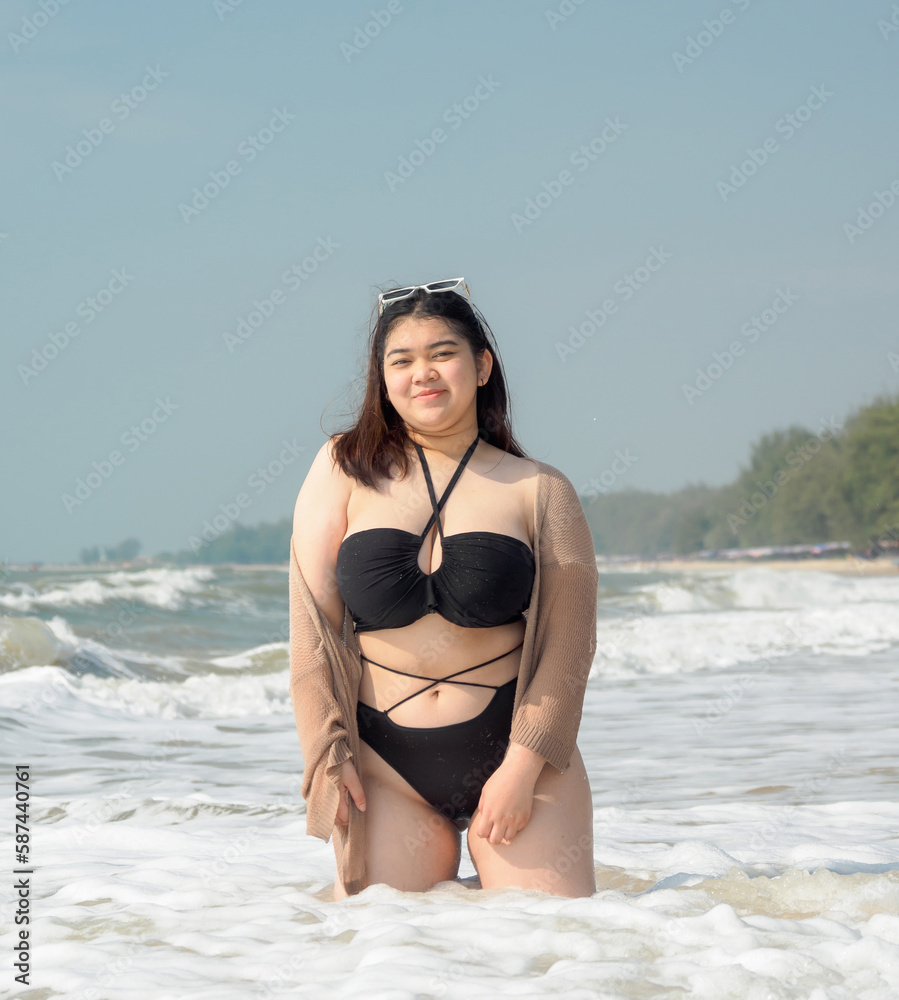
{"points": [[739, 730]]}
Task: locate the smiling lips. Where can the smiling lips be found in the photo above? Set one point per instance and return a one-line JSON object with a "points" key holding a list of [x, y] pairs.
{"points": [[429, 395]]}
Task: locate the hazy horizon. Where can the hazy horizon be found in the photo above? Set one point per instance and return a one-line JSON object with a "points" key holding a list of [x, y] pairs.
{"points": [[680, 226]]}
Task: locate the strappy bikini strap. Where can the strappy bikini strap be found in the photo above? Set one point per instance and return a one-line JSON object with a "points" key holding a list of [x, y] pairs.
{"points": [[442, 680], [439, 680], [438, 506], [484, 664], [395, 671], [415, 694]]}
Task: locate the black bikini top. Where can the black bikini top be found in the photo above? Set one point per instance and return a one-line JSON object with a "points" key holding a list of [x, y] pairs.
{"points": [[484, 578]]}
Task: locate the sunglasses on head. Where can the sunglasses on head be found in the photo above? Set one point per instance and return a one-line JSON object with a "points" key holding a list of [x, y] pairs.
{"points": [[387, 299]]}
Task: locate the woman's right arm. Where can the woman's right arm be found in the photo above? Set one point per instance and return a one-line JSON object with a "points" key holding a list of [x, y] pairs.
{"points": [[319, 525]]}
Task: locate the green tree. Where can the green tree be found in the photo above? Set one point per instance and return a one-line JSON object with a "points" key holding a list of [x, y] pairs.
{"points": [[797, 488], [125, 551]]}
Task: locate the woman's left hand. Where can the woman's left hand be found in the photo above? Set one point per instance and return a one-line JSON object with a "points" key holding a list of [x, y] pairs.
{"points": [[505, 805]]}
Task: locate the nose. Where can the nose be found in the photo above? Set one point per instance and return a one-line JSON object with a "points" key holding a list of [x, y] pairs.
{"points": [[422, 371]]}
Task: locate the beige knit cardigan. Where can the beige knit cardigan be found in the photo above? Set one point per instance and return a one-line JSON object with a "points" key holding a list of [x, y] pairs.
{"points": [[558, 650]]}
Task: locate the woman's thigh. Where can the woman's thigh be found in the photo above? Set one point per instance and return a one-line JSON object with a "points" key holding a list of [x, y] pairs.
{"points": [[554, 852], [408, 844]]}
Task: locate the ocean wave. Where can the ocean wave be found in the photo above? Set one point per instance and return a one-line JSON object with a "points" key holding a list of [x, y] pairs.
{"points": [[693, 622], [161, 587], [200, 696], [269, 656], [32, 642]]}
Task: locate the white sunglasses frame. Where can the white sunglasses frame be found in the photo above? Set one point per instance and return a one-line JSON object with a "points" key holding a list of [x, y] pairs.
{"points": [[412, 289]]}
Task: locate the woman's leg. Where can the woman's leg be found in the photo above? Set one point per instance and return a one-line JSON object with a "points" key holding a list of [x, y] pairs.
{"points": [[554, 852], [408, 844]]}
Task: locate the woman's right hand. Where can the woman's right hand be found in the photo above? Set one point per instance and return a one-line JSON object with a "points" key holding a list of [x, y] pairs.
{"points": [[348, 782]]}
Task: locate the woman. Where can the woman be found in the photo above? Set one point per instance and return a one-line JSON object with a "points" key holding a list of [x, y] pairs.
{"points": [[440, 647]]}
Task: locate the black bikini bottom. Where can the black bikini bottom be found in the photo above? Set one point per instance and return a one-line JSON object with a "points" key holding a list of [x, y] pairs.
{"points": [[446, 765]]}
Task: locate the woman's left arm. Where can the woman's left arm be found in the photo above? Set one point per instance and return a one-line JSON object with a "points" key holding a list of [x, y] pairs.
{"points": [[564, 619], [508, 795]]}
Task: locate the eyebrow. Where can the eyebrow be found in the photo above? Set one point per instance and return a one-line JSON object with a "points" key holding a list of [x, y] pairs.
{"points": [[407, 350]]}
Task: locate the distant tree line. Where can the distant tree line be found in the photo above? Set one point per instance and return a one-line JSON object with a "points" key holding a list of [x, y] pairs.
{"points": [[800, 487], [263, 543], [125, 551]]}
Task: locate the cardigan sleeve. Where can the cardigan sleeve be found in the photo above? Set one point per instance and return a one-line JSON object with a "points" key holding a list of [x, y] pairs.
{"points": [[548, 718], [320, 724]]}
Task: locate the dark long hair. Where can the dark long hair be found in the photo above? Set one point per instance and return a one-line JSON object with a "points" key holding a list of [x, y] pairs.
{"points": [[378, 440]]}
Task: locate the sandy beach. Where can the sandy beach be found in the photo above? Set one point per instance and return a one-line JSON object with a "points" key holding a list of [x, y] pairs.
{"points": [[856, 567]]}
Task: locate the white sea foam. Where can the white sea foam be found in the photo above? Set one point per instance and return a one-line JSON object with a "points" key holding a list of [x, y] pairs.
{"points": [[25, 642], [745, 819], [747, 616], [258, 656], [162, 588]]}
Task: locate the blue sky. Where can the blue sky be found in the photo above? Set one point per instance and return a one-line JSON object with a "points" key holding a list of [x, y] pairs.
{"points": [[683, 173]]}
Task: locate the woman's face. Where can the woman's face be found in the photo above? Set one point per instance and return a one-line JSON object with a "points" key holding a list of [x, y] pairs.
{"points": [[431, 373]]}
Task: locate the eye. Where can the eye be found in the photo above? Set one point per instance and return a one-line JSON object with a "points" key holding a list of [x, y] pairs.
{"points": [[439, 354]]}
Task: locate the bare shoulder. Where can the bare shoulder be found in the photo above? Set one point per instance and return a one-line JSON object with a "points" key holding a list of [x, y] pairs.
{"points": [[325, 481], [522, 472], [320, 511], [319, 525], [529, 485]]}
